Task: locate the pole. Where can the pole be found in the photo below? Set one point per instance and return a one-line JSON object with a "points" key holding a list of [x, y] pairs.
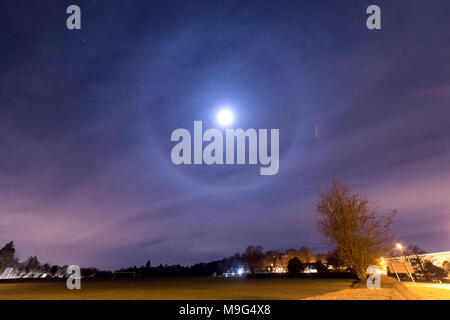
{"points": [[393, 267], [407, 260], [406, 266]]}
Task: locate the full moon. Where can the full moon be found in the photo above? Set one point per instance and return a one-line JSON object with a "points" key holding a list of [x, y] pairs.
{"points": [[225, 117]]}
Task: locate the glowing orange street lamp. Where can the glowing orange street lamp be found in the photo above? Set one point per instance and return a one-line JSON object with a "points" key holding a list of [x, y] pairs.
{"points": [[400, 247]]}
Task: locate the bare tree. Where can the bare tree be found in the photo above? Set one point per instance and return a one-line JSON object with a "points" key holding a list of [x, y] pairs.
{"points": [[351, 224], [305, 255], [253, 256], [414, 250], [271, 259]]}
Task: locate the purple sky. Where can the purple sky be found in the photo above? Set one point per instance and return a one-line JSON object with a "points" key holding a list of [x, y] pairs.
{"points": [[86, 116]]}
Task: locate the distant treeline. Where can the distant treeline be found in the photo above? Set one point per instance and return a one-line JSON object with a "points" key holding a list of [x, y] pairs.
{"points": [[253, 262], [200, 269]]}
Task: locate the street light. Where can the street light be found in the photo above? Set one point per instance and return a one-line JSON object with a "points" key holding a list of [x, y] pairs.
{"points": [[400, 247]]}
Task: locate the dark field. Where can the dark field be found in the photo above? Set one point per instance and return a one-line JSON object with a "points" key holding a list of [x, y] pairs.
{"points": [[175, 288]]}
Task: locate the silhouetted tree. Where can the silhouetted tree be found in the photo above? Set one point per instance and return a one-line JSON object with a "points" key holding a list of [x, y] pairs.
{"points": [[434, 271], [253, 256], [334, 260], [414, 250], [351, 224], [53, 270], [320, 267], [291, 253], [305, 254], [295, 266], [270, 258], [8, 256], [32, 264], [322, 257], [417, 262]]}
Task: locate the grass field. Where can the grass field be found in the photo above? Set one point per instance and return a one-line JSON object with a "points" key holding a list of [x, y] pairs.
{"points": [[218, 289], [175, 288]]}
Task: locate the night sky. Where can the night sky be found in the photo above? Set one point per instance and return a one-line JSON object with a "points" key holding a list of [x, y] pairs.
{"points": [[86, 116]]}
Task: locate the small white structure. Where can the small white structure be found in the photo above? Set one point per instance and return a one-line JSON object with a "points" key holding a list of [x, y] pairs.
{"points": [[309, 269], [438, 258], [6, 273]]}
